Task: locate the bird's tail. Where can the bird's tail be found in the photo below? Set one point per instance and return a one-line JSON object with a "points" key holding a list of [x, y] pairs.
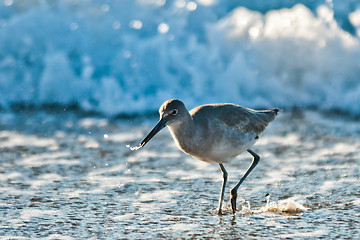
{"points": [[276, 111], [269, 115]]}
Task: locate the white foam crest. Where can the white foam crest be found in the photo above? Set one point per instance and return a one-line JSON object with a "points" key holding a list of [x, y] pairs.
{"points": [[106, 60], [286, 206], [283, 206]]}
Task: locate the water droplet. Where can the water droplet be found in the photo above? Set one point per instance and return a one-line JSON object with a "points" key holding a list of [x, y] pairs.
{"points": [[133, 148], [127, 54], [163, 28], [116, 25], [105, 7], [136, 24], [180, 3], [74, 26], [8, 2], [191, 6]]}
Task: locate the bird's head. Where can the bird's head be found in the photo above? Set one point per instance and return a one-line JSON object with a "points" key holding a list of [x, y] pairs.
{"points": [[172, 112]]}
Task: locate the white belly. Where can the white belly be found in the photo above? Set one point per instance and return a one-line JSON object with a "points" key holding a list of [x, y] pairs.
{"points": [[217, 148], [224, 153]]}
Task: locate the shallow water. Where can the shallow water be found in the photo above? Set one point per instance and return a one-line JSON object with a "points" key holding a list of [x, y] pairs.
{"points": [[67, 176]]}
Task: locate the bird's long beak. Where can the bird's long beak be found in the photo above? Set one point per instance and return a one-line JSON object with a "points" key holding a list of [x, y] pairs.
{"points": [[160, 125]]}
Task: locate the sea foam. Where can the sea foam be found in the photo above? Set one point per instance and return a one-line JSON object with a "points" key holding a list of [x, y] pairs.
{"points": [[130, 56]]}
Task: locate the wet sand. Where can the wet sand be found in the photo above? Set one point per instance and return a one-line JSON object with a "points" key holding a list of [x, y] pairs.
{"points": [[70, 176]]}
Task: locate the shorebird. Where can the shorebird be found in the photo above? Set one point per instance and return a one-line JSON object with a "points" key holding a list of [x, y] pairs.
{"points": [[214, 133]]}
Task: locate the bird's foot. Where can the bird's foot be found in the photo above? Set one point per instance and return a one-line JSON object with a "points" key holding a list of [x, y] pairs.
{"points": [[233, 201], [220, 208]]}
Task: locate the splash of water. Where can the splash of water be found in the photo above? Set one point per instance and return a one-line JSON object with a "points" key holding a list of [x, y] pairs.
{"points": [[134, 148], [283, 206]]}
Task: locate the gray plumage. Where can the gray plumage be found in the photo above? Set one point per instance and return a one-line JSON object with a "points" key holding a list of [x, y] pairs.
{"points": [[215, 132]]}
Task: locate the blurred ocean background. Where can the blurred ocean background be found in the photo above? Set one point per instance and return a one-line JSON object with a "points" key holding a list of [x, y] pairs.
{"points": [[129, 56]]}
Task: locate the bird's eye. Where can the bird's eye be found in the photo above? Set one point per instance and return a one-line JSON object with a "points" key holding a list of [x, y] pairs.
{"points": [[174, 112]]}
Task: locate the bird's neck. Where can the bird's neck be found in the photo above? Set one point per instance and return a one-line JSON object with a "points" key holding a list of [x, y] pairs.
{"points": [[184, 134]]}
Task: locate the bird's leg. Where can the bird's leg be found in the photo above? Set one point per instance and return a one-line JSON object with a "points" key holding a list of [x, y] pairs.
{"points": [[225, 175], [234, 189]]}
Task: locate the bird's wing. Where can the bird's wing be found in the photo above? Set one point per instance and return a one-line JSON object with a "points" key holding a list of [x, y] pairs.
{"points": [[238, 118]]}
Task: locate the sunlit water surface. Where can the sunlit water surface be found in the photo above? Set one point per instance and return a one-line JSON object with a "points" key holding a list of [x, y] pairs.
{"points": [[66, 176]]}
